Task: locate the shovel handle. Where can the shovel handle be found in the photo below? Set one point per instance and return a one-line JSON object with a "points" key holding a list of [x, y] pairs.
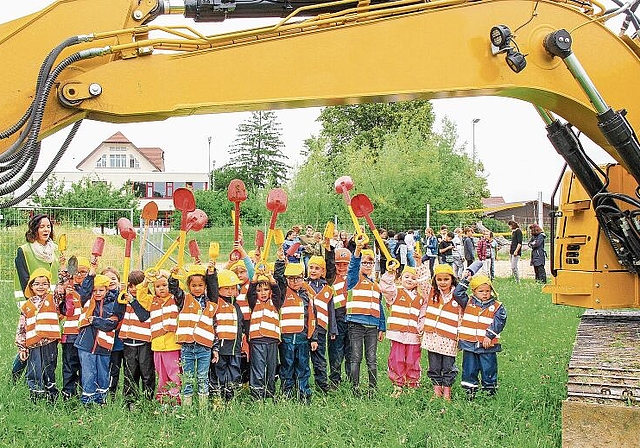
{"points": [[182, 244], [166, 256], [125, 275]]}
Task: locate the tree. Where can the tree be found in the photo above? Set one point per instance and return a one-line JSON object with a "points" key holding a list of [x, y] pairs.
{"points": [[257, 155]]}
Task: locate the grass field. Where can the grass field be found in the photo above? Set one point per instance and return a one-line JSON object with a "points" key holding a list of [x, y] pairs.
{"points": [[526, 412]]}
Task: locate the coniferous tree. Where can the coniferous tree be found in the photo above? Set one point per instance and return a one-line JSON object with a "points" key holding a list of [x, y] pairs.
{"points": [[257, 151]]}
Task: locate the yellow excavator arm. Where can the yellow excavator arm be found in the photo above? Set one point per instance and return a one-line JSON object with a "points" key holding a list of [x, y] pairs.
{"points": [[121, 67]]}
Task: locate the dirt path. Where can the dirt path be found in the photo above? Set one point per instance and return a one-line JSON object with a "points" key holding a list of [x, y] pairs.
{"points": [[503, 269]]}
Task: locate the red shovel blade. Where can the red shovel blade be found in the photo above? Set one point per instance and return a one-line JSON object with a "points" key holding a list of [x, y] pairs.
{"points": [[98, 247], [361, 205], [194, 249], [236, 192], [259, 238], [293, 249], [277, 200], [196, 220], [184, 201], [125, 228]]}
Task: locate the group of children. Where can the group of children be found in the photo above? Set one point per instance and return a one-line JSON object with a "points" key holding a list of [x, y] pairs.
{"points": [[209, 330]]}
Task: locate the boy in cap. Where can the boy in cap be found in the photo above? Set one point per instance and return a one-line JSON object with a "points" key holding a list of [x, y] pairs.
{"points": [[339, 346], [365, 316], [483, 320], [322, 295]]}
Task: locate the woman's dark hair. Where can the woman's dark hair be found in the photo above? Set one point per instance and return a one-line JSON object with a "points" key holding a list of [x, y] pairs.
{"points": [[135, 277], [513, 224], [32, 232], [400, 236]]}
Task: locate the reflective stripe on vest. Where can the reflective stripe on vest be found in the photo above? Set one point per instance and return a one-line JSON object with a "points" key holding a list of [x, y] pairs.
{"points": [[163, 316], [41, 322], [70, 323], [364, 298], [404, 312], [132, 328], [265, 321], [242, 301], [442, 319], [340, 293], [321, 301], [105, 339], [227, 320], [292, 313], [194, 323], [475, 322]]}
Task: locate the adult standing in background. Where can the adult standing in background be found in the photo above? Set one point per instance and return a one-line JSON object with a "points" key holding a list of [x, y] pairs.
{"points": [[538, 256], [468, 247], [430, 249], [515, 251], [39, 251], [410, 241], [458, 252]]}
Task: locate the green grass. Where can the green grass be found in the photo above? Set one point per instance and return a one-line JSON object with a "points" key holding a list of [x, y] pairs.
{"points": [[525, 413]]}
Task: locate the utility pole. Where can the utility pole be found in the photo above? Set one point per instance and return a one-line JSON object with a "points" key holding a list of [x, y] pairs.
{"points": [[473, 140], [209, 171]]}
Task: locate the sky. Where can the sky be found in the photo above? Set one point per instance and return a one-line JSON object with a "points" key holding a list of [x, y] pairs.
{"points": [[510, 137]]}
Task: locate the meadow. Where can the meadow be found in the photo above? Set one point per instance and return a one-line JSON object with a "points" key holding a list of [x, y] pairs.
{"points": [[526, 412]]}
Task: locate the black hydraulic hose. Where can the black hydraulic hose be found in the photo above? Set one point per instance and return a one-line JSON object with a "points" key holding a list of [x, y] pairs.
{"points": [[46, 173], [36, 119], [552, 237]]}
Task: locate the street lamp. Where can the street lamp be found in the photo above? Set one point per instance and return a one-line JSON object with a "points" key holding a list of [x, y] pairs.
{"points": [[473, 140], [209, 165]]}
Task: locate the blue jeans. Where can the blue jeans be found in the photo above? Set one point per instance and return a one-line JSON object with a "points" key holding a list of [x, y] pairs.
{"points": [[483, 364], [95, 377], [337, 348], [360, 336], [294, 359], [41, 371], [195, 360]]}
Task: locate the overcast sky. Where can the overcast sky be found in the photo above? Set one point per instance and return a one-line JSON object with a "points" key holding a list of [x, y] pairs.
{"points": [[510, 138]]}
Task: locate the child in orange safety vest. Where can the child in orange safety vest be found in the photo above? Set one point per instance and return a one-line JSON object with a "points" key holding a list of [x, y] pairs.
{"points": [[404, 305], [483, 320], [195, 333], [135, 332], [100, 317], [37, 336], [440, 315], [244, 269]]}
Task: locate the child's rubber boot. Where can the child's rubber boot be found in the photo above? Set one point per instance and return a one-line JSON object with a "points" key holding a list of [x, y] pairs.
{"points": [[437, 391], [187, 401], [446, 393]]}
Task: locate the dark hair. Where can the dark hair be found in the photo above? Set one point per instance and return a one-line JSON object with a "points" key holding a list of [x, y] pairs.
{"points": [[391, 233], [513, 224], [434, 294], [32, 232], [135, 277], [450, 234], [535, 229]]}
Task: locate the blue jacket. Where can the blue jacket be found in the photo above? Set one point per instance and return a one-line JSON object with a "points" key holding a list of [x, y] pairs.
{"points": [[353, 276], [87, 335], [496, 327]]}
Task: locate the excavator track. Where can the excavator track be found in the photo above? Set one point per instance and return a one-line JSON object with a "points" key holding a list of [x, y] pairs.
{"points": [[605, 363]]}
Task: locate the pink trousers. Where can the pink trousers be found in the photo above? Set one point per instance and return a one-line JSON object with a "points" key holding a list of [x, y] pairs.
{"points": [[168, 369], [404, 364]]}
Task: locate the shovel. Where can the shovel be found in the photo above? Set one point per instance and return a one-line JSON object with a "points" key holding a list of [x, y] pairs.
{"points": [[196, 220], [276, 203], [362, 207], [184, 201], [342, 186], [129, 234], [98, 248], [214, 251], [149, 213], [236, 193], [194, 251]]}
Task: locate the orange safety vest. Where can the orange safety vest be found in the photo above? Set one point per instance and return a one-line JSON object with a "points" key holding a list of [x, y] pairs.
{"points": [[475, 321], [292, 314], [265, 321], [105, 339], [364, 298], [70, 323], [195, 324], [243, 302], [227, 320], [340, 292], [41, 321], [404, 312], [442, 318], [132, 328], [321, 301], [164, 316]]}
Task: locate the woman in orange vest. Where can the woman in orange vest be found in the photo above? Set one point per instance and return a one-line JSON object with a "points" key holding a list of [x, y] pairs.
{"points": [[265, 300], [37, 336], [404, 305], [440, 315], [483, 320], [100, 316]]}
